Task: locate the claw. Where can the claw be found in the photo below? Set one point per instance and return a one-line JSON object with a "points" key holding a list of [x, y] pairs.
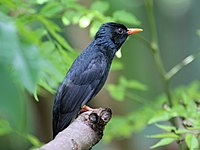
{"points": [[85, 108]]}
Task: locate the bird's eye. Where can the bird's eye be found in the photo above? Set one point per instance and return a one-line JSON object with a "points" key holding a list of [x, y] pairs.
{"points": [[120, 30]]}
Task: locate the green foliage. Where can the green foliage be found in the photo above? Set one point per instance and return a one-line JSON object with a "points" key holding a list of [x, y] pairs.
{"points": [[4, 127], [118, 91], [192, 141], [129, 19], [163, 142], [186, 104], [34, 54], [100, 6], [186, 107], [123, 126], [34, 141], [22, 57], [198, 33]]}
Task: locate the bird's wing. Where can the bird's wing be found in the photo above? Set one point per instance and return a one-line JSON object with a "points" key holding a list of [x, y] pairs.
{"points": [[80, 85]]}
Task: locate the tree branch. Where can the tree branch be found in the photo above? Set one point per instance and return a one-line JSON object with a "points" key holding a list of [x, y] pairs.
{"points": [[83, 133]]}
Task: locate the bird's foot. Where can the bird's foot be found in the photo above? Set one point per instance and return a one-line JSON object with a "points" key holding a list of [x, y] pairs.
{"points": [[85, 108]]}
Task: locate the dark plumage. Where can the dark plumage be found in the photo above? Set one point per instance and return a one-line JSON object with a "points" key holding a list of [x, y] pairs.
{"points": [[88, 74]]}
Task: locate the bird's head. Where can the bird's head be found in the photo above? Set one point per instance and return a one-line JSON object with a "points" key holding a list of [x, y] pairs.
{"points": [[114, 34]]}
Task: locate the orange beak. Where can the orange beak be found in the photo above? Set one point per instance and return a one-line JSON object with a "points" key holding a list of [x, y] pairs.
{"points": [[134, 30]]}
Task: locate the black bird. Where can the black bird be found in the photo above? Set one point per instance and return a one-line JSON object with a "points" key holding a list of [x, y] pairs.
{"points": [[88, 73]]}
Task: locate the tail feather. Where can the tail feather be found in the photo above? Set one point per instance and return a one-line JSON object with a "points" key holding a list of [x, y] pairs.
{"points": [[63, 122]]}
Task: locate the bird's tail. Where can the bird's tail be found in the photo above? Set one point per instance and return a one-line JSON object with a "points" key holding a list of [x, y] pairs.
{"points": [[64, 121]]}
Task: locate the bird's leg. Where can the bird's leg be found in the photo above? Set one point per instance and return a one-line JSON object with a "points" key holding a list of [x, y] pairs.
{"points": [[85, 108]]}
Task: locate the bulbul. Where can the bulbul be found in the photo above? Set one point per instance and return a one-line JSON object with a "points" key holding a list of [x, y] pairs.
{"points": [[88, 73]]}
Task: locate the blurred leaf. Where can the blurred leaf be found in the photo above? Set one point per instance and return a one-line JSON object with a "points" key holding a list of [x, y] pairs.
{"points": [[50, 9], [66, 21], [47, 46], [47, 86], [10, 99], [101, 6], [181, 131], [54, 59], [53, 29], [23, 57], [9, 40], [134, 84], [119, 53], [40, 32], [27, 66], [125, 17], [36, 96], [124, 126], [186, 105], [164, 141], [119, 128], [41, 1], [71, 16], [192, 141], [4, 127], [117, 92], [161, 116], [164, 135], [50, 25], [166, 127], [33, 140], [76, 17], [198, 33], [94, 27], [123, 81], [8, 4], [85, 21], [50, 79], [116, 65]]}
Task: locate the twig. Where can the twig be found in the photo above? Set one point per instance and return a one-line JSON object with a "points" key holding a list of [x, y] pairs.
{"points": [[156, 51], [181, 65], [83, 133]]}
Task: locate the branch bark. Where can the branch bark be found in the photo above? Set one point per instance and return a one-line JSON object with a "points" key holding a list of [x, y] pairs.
{"points": [[83, 133]]}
